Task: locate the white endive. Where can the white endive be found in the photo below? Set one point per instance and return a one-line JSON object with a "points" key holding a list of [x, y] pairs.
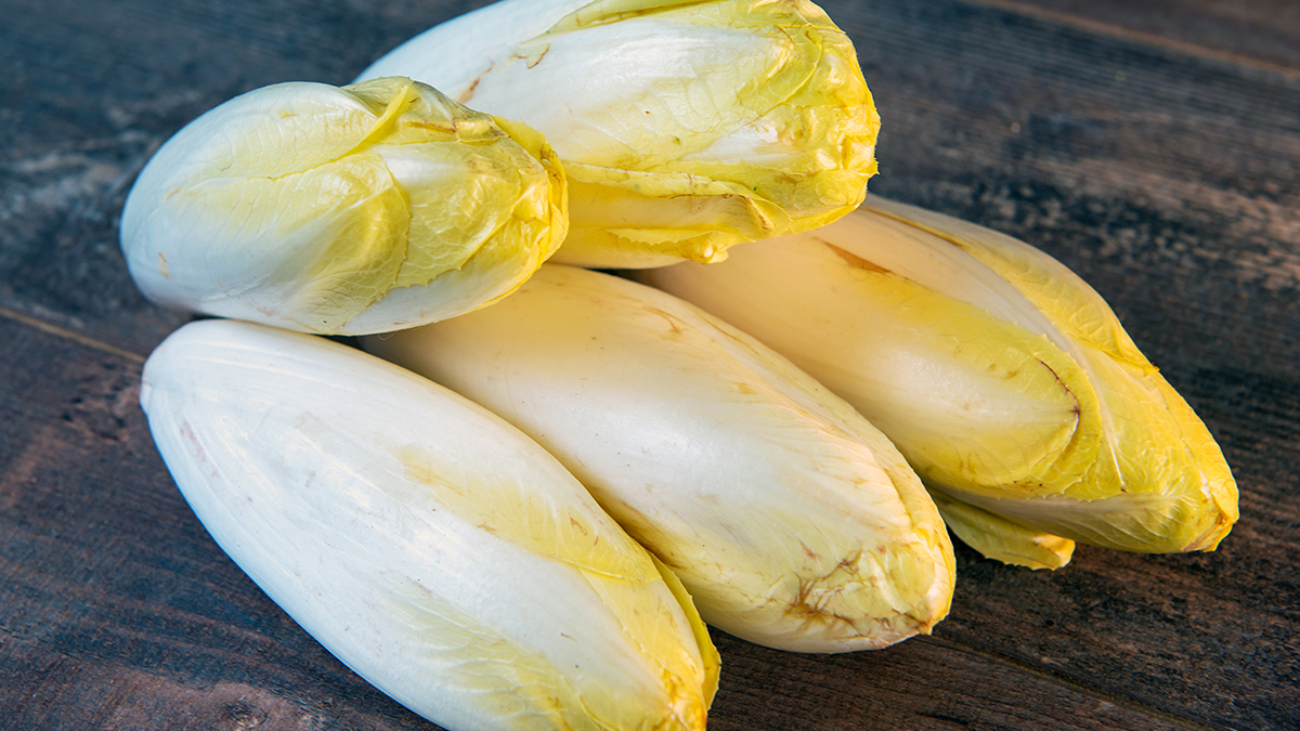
{"points": [[685, 126], [343, 210], [435, 550], [792, 521], [1005, 379]]}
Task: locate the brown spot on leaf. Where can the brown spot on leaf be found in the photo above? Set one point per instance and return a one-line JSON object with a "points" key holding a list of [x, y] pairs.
{"points": [[468, 94], [854, 260], [536, 58], [675, 323]]}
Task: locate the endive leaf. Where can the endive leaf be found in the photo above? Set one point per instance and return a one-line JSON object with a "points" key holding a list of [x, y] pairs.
{"points": [[998, 538]]}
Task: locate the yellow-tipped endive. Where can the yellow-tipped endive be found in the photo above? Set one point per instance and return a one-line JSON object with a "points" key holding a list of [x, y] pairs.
{"points": [[1005, 379], [434, 549], [792, 522], [345, 210], [685, 126]]}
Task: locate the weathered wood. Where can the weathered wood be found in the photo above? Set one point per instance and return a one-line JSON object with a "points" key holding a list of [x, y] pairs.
{"points": [[1252, 32], [1168, 179], [920, 685]]}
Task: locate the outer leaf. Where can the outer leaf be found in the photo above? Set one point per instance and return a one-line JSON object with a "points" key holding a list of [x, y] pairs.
{"points": [[438, 552], [1005, 380], [998, 538], [685, 127], [791, 520], [343, 210]]}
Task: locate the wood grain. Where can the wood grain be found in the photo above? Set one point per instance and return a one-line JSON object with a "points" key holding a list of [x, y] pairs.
{"points": [[1251, 32], [1168, 178]]}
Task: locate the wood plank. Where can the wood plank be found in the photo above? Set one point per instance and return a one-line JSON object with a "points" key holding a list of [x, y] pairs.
{"points": [[1166, 178], [919, 685], [1253, 32]]}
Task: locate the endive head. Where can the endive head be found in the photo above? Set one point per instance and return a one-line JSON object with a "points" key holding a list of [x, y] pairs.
{"points": [[792, 521], [343, 210], [685, 127], [434, 549], [1006, 381]]}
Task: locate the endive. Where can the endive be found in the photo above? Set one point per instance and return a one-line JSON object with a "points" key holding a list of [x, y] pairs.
{"points": [[685, 126], [438, 552], [1005, 379], [792, 522], [343, 210]]}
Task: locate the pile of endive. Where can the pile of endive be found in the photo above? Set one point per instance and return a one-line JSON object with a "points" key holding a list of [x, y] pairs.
{"points": [[520, 507]]}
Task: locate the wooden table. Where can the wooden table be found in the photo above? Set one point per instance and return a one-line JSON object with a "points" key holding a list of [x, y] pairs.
{"points": [[1153, 145]]}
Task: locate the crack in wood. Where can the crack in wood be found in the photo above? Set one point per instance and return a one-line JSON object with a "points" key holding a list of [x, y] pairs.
{"points": [[74, 336]]}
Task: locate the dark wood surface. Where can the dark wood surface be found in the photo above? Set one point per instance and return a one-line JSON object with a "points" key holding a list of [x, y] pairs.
{"points": [[1152, 145]]}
